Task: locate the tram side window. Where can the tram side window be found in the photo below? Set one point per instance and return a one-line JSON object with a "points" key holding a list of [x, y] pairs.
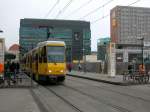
{"points": [[34, 58], [27, 61], [30, 61], [44, 57], [40, 55]]}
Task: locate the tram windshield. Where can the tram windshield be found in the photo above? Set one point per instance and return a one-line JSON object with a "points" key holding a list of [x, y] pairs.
{"points": [[56, 54]]}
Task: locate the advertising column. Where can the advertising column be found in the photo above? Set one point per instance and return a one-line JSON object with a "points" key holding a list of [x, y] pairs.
{"points": [[112, 60]]}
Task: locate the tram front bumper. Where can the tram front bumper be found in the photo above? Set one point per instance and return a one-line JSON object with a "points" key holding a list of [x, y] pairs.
{"points": [[55, 76]]}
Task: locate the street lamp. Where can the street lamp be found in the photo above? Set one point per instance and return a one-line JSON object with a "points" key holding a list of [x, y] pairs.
{"points": [[1, 31], [142, 48]]}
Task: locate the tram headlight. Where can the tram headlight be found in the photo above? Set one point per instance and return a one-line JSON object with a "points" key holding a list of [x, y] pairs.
{"points": [[49, 71], [61, 71]]}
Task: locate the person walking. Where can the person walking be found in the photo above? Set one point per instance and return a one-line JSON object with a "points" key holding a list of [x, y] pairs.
{"points": [[13, 71], [130, 68], [17, 67], [79, 67], [69, 67], [141, 69]]}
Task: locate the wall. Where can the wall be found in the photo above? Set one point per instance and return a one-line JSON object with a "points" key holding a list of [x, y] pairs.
{"points": [[90, 67], [95, 67]]}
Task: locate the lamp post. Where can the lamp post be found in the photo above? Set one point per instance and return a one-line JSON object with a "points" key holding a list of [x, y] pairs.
{"points": [[142, 49], [142, 43], [1, 31]]}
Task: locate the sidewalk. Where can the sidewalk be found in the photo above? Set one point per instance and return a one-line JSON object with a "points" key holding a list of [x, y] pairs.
{"points": [[18, 97], [17, 100], [117, 80]]}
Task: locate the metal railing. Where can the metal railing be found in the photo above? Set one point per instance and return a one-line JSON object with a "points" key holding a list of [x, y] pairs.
{"points": [[136, 77], [16, 79]]}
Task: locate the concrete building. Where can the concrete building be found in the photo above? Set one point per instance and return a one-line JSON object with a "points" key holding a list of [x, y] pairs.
{"points": [[76, 34], [128, 24]]}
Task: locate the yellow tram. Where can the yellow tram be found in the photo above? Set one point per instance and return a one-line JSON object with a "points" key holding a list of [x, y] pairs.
{"points": [[46, 61]]}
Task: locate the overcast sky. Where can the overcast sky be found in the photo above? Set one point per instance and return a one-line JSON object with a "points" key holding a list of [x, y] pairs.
{"points": [[11, 11]]}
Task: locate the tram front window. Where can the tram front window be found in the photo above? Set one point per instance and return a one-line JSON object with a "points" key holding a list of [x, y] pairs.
{"points": [[56, 54]]}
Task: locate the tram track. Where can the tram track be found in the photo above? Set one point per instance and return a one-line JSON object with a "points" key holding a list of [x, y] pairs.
{"points": [[75, 106], [120, 93], [64, 99], [119, 108], [69, 103], [38, 101]]}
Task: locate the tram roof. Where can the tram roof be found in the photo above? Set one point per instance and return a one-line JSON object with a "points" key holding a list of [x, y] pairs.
{"points": [[51, 42]]}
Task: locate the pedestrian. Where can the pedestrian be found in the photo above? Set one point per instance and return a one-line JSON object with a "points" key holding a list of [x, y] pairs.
{"points": [[12, 67], [7, 66], [141, 69], [69, 67], [13, 70], [7, 70], [130, 68], [17, 67], [79, 67]]}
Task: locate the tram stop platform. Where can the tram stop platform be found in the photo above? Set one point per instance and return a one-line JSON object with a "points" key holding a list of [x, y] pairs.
{"points": [[18, 96], [105, 78], [17, 100], [18, 80]]}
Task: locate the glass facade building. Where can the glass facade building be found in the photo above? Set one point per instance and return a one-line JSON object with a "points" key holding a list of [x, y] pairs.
{"points": [[76, 34], [101, 47]]}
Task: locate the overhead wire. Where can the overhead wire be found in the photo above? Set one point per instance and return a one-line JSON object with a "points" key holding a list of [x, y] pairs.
{"points": [[51, 9], [64, 8], [81, 6], [99, 19], [95, 10], [134, 2], [108, 14]]}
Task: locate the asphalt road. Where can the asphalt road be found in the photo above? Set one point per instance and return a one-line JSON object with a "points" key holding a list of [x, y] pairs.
{"points": [[81, 95]]}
